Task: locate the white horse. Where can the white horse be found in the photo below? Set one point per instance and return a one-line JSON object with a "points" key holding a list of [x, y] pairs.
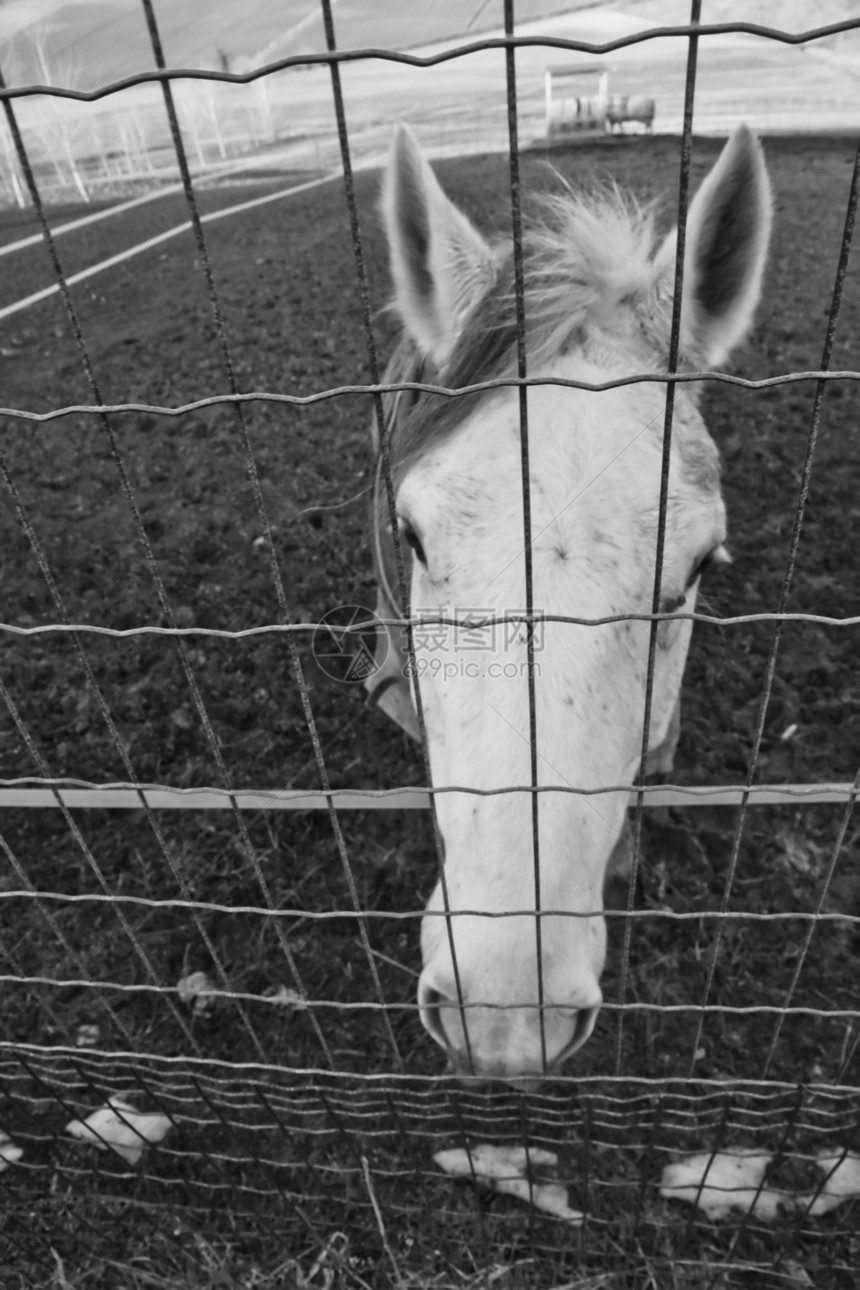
{"points": [[598, 303]]}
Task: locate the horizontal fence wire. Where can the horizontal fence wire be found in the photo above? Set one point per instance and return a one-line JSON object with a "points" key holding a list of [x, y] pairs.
{"points": [[334, 57], [214, 995], [422, 387], [468, 622], [334, 1142], [182, 1068], [767, 793], [322, 916]]}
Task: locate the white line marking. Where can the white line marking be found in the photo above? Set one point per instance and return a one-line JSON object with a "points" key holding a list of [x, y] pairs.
{"points": [[18, 305], [217, 172]]}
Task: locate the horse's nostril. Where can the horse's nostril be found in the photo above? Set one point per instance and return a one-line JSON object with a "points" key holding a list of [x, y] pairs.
{"points": [[585, 1022], [429, 1001]]}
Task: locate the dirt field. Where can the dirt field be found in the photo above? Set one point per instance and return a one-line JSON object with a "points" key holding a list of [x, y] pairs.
{"points": [[279, 1142]]}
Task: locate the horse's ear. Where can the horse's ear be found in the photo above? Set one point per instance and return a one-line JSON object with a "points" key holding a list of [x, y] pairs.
{"points": [[728, 227], [440, 264]]}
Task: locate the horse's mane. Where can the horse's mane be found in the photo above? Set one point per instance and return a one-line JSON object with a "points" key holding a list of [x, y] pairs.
{"points": [[583, 256]]}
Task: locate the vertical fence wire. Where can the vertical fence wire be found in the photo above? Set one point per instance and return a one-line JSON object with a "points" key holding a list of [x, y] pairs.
{"points": [[54, 591], [826, 1175], [380, 1222], [780, 1153], [586, 1190], [98, 873], [131, 501], [645, 1159], [408, 1150], [254, 478], [231, 1130], [671, 386], [349, 1139], [519, 293], [453, 1098], [385, 457], [61, 939], [118, 744], [719, 1142], [794, 543], [290, 1139], [524, 1134], [813, 924], [838, 288], [17, 973], [61, 1099]]}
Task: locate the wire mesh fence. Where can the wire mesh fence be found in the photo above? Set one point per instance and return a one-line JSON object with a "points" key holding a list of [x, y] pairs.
{"points": [[213, 1035]]}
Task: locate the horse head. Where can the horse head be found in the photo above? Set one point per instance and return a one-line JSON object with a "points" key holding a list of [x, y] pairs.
{"points": [[506, 993]]}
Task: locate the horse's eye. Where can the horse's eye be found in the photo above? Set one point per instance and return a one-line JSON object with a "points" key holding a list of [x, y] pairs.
{"points": [[413, 541], [673, 605], [719, 555], [702, 567]]}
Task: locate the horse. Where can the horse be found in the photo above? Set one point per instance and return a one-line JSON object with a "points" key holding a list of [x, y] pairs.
{"points": [[508, 994]]}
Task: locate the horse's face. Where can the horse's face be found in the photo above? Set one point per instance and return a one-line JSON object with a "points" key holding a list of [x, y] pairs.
{"points": [[530, 988], [594, 479]]}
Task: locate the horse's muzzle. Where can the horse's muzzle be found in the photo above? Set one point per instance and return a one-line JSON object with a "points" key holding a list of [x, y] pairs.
{"points": [[489, 1054]]}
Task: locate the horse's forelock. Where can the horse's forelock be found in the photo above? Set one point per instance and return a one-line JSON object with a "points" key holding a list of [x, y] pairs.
{"points": [[584, 258]]}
